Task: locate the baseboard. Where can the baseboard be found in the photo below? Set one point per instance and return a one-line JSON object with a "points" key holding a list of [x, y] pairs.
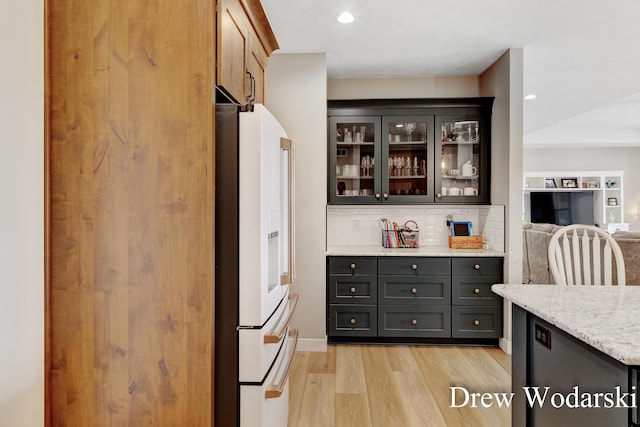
{"points": [[505, 345], [312, 344]]}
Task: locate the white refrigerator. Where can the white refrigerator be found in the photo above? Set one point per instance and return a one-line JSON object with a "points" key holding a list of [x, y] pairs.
{"points": [[254, 343]]}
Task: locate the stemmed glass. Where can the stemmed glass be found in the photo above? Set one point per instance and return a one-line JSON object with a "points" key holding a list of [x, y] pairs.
{"points": [[408, 128]]}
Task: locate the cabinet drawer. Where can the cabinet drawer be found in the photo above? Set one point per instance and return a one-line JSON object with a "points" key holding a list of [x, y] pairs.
{"points": [[476, 322], [474, 290], [415, 266], [478, 266], [353, 289], [352, 320], [353, 265], [414, 321], [401, 289]]}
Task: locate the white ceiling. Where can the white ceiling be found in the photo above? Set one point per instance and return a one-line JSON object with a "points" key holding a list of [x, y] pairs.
{"points": [[581, 58]]}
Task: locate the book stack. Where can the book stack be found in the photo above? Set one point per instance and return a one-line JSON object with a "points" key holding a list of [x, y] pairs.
{"points": [[394, 236]]}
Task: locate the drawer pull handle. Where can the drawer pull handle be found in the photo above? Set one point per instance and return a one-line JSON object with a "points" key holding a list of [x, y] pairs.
{"points": [[353, 321], [476, 291], [476, 267], [353, 266], [274, 336], [275, 389], [414, 267], [414, 322], [476, 322], [414, 291], [353, 290]]}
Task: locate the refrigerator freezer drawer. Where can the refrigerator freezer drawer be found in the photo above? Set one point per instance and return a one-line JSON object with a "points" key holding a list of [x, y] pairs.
{"points": [[258, 347], [267, 404]]}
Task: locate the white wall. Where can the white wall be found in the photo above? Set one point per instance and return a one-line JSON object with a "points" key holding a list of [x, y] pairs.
{"points": [[504, 81], [417, 87], [297, 96], [21, 213], [595, 159]]}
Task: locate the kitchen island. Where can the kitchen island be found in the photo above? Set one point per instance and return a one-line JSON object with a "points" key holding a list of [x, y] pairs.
{"points": [[576, 352]]}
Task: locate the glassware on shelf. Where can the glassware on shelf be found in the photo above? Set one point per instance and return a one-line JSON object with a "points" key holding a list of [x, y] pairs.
{"points": [[409, 128]]}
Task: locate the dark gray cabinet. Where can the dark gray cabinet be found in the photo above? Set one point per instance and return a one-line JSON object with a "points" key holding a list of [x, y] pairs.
{"points": [[546, 356], [409, 151], [476, 310], [413, 298]]}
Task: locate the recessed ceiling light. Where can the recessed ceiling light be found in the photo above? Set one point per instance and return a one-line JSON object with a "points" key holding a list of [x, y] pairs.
{"points": [[530, 96], [346, 18]]}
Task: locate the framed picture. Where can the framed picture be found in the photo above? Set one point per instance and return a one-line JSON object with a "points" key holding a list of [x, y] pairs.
{"points": [[549, 183], [594, 184], [569, 183], [612, 201]]}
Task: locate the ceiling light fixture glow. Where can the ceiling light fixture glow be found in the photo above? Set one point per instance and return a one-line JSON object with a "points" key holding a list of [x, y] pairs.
{"points": [[346, 18], [530, 97]]}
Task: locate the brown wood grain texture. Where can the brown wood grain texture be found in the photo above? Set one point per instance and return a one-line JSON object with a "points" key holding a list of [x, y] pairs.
{"points": [[130, 220]]}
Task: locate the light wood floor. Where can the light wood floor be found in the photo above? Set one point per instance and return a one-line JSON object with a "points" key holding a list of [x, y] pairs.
{"points": [[353, 385]]}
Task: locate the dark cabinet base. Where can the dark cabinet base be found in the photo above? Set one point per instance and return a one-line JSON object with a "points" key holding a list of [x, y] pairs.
{"points": [[414, 300]]}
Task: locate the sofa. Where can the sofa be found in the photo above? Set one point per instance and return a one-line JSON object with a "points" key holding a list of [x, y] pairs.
{"points": [[535, 261]]}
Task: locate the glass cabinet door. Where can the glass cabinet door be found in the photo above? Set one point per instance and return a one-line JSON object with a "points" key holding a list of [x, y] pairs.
{"points": [[462, 158], [354, 175], [407, 175]]}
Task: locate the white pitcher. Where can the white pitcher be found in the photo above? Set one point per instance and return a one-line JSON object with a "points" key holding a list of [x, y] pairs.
{"points": [[468, 170]]}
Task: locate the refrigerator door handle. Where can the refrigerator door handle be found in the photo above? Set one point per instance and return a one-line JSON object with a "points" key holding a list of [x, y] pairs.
{"points": [[276, 388], [273, 337], [288, 274]]}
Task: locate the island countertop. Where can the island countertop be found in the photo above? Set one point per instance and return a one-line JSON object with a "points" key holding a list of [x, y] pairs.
{"points": [[605, 317], [379, 250]]}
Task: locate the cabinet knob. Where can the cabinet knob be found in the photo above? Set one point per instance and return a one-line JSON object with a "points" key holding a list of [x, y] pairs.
{"points": [[378, 196], [353, 266], [476, 291], [476, 322], [353, 321], [414, 322], [386, 196], [439, 195], [353, 290], [414, 266], [476, 267], [414, 291]]}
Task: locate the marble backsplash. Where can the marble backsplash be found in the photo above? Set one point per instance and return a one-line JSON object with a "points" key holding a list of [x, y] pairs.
{"points": [[360, 225]]}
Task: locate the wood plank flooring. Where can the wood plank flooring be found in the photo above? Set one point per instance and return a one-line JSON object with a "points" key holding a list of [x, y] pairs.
{"points": [[409, 386]]}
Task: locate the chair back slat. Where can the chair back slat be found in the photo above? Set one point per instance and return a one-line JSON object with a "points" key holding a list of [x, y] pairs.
{"points": [[597, 275], [568, 261], [586, 258], [608, 269], [576, 258]]}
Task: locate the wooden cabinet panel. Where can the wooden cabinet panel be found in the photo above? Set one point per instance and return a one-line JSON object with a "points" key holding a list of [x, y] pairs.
{"points": [[245, 41], [130, 213], [232, 49], [353, 289], [414, 321], [414, 290]]}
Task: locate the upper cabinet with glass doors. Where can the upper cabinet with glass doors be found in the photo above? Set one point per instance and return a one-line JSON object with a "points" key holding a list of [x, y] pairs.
{"points": [[409, 151]]}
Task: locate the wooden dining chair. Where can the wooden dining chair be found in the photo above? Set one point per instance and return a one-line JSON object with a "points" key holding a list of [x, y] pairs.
{"points": [[582, 255]]}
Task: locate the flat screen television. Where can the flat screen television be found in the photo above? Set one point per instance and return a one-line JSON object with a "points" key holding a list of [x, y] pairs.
{"points": [[562, 207]]}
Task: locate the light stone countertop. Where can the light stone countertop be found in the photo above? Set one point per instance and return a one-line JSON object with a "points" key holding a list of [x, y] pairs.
{"points": [[605, 317], [379, 250]]}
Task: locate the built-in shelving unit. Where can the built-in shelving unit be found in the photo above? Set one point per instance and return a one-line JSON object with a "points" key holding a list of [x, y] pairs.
{"points": [[607, 188]]}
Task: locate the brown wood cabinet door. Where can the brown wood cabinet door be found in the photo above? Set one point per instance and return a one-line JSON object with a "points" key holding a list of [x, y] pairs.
{"points": [[233, 47], [257, 66], [129, 257]]}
